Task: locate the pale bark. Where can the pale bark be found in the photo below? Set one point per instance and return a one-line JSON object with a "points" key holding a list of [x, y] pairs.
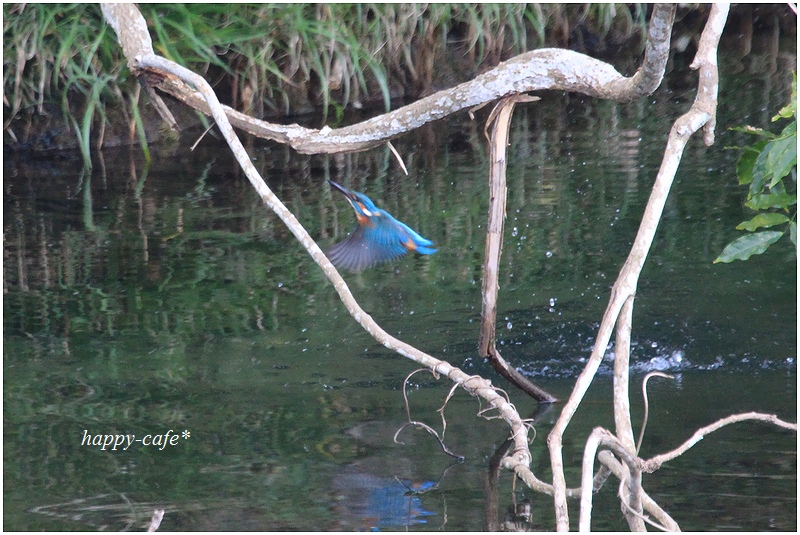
{"points": [[537, 70], [498, 123], [701, 115], [654, 463], [543, 69], [477, 386]]}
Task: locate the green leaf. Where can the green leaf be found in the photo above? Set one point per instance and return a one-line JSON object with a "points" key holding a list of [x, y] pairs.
{"points": [[781, 157], [789, 130], [787, 111], [793, 232], [746, 246], [760, 172], [762, 220], [747, 161], [771, 200]]}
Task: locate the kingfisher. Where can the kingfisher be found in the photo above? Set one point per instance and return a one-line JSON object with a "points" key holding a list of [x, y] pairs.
{"points": [[378, 238]]}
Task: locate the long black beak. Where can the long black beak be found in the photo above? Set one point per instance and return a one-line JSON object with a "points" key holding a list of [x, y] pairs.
{"points": [[347, 192]]}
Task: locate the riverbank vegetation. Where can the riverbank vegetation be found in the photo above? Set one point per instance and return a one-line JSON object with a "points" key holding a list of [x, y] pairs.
{"points": [[61, 61], [66, 85]]}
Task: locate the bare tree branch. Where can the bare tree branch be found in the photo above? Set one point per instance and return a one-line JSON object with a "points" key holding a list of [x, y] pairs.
{"points": [[632, 475], [661, 516], [631, 499], [701, 112], [546, 68], [622, 358], [654, 463], [541, 69], [474, 385], [499, 122], [155, 522]]}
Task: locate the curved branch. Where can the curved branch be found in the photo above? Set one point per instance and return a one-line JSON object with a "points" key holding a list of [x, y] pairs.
{"points": [[474, 385], [649, 505], [653, 464], [601, 437], [546, 68], [647, 405]]}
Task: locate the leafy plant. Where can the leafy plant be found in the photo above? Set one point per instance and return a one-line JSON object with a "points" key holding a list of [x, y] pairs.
{"points": [[764, 166]]}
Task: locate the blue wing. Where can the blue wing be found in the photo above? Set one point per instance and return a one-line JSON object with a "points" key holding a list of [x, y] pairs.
{"points": [[386, 239], [360, 250]]}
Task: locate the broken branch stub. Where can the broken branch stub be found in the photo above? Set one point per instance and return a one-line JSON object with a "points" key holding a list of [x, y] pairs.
{"points": [[499, 123]]}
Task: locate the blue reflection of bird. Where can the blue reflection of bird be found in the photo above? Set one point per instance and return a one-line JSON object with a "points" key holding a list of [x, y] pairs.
{"points": [[378, 237]]}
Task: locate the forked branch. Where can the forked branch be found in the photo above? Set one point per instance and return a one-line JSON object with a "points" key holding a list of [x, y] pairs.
{"points": [[126, 18], [702, 114]]}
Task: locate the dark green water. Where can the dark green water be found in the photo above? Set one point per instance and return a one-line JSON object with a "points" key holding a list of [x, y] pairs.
{"points": [[139, 300]]}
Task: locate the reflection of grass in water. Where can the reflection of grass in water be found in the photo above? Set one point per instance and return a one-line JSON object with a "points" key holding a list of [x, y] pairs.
{"points": [[204, 259]]}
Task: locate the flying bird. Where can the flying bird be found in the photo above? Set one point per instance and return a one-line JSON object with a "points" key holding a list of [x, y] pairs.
{"points": [[377, 238]]}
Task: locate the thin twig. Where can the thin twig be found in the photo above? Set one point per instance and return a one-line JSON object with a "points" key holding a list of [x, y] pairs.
{"points": [[201, 136], [440, 410], [399, 158], [431, 431], [647, 404], [405, 386]]}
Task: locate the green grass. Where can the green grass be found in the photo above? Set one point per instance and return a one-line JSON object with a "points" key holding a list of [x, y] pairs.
{"points": [[270, 59]]}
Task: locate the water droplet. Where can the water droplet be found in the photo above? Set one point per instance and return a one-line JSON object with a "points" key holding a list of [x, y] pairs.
{"points": [[509, 325], [552, 301], [549, 254]]}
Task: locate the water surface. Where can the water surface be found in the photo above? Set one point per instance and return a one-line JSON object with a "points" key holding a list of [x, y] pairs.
{"points": [[142, 299]]}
